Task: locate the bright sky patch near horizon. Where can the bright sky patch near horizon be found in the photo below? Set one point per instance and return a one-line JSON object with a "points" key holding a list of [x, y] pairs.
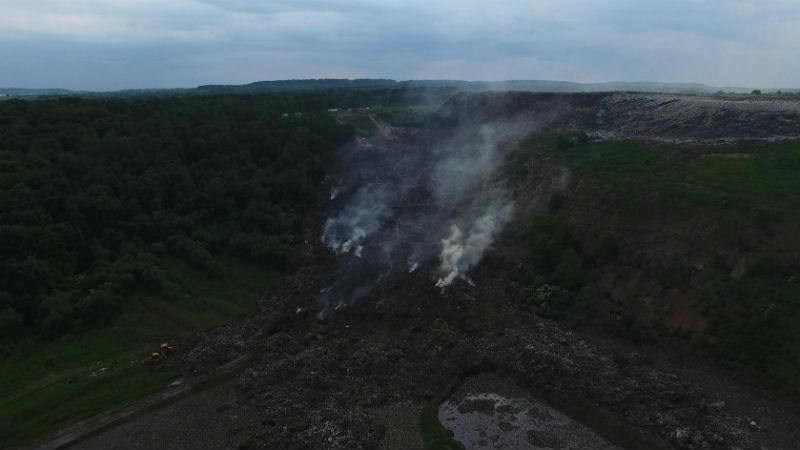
{"points": [[118, 44]]}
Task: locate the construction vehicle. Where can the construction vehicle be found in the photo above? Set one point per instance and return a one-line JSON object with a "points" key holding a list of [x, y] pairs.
{"points": [[160, 356]]}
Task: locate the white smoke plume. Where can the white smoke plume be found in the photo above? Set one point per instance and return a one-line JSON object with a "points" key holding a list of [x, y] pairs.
{"points": [[462, 252], [347, 231], [429, 203], [463, 166]]}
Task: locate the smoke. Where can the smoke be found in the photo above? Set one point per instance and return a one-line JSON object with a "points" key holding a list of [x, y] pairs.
{"points": [[464, 166], [461, 252], [348, 231], [452, 252], [429, 202]]}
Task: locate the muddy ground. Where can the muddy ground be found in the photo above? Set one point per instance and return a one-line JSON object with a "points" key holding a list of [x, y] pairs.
{"points": [[360, 377]]}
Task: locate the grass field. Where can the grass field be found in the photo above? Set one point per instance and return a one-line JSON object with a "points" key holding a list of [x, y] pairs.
{"points": [[47, 385]]}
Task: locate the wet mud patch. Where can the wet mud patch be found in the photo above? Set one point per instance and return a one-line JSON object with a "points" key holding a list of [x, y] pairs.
{"points": [[490, 412]]}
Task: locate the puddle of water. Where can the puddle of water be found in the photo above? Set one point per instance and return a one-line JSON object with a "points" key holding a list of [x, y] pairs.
{"points": [[484, 419]]}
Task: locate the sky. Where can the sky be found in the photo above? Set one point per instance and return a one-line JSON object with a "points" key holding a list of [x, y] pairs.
{"points": [[118, 44]]}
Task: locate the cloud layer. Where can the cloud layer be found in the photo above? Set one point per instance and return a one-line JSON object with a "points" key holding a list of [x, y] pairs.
{"points": [[113, 44]]}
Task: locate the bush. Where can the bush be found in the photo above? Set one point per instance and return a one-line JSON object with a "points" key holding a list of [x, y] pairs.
{"points": [[563, 142], [6, 429], [631, 328], [95, 307], [268, 250], [556, 201], [675, 274], [569, 270], [589, 297], [607, 246], [272, 251], [548, 238], [120, 279], [10, 322], [768, 264], [54, 324], [549, 300], [435, 435], [558, 284], [569, 140], [765, 218], [194, 252]]}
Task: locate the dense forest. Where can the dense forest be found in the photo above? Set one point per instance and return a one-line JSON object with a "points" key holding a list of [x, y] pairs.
{"points": [[97, 194]]}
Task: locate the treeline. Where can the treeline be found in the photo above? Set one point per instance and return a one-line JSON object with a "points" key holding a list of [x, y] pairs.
{"points": [[96, 196]]}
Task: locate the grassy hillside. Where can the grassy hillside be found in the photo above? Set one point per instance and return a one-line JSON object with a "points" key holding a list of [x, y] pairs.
{"points": [[662, 240], [48, 384]]}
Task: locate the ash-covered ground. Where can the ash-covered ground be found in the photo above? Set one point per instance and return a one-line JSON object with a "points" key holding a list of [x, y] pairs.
{"points": [[407, 289]]}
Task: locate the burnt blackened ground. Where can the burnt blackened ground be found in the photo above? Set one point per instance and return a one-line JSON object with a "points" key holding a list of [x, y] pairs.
{"points": [[317, 384]]}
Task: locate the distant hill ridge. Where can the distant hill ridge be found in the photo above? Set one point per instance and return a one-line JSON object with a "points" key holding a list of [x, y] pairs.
{"points": [[24, 91], [526, 85], [327, 84], [521, 85]]}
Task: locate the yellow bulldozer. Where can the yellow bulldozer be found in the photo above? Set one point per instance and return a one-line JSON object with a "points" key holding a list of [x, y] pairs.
{"points": [[160, 356]]}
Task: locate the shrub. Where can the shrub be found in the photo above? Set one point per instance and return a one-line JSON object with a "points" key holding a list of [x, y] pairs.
{"points": [[264, 249], [6, 429], [569, 270], [768, 264], [549, 300], [95, 307], [435, 435], [53, 324], [765, 218], [607, 246], [548, 238], [675, 274], [629, 327], [556, 201], [10, 322], [588, 297], [563, 142], [270, 250]]}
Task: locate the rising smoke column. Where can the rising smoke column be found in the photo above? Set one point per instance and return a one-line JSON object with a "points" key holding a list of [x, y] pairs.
{"points": [[430, 204], [461, 252], [361, 218]]}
